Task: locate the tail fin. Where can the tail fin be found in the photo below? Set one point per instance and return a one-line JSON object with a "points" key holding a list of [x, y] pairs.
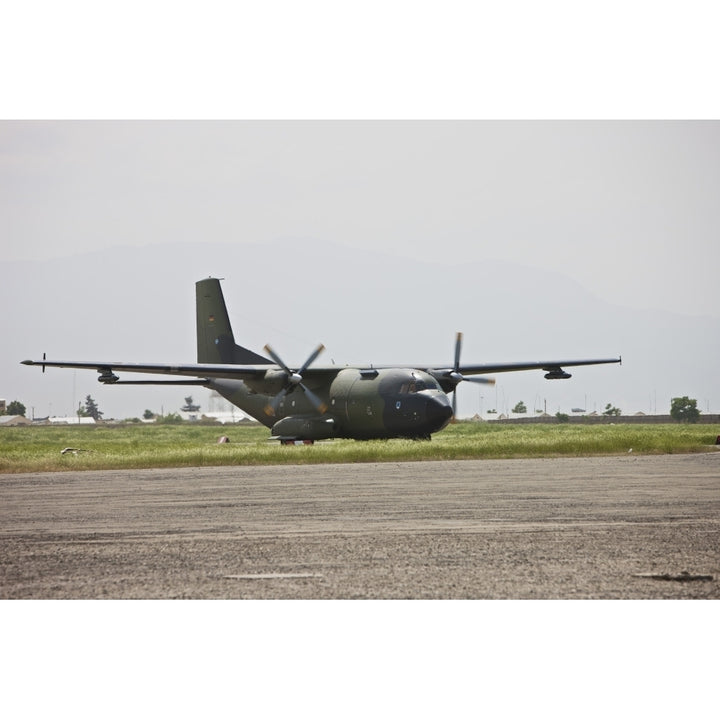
{"points": [[215, 341]]}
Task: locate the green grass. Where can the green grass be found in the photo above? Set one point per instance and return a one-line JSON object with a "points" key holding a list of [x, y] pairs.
{"points": [[37, 449]]}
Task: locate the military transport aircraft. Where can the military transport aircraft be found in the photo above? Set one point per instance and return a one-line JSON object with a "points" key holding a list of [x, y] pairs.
{"points": [[316, 402]]}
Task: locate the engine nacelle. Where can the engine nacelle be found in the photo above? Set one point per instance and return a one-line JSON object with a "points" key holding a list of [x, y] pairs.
{"points": [[271, 383], [558, 374], [304, 428], [107, 376]]}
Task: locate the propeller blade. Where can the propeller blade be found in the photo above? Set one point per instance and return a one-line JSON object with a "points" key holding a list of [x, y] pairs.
{"points": [[311, 359], [272, 406], [479, 380], [294, 380], [277, 359], [457, 377], [458, 346], [318, 404]]}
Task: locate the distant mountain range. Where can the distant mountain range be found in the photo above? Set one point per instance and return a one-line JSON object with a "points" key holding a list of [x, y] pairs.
{"points": [[138, 304]]}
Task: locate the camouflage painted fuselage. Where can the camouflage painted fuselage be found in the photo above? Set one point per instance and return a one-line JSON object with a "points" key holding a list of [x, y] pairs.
{"points": [[362, 404]]}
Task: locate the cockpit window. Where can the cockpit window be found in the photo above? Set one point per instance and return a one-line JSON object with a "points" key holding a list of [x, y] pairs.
{"points": [[417, 386]]}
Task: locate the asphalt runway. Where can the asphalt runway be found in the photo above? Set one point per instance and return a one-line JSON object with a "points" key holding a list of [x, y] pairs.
{"points": [[602, 527]]}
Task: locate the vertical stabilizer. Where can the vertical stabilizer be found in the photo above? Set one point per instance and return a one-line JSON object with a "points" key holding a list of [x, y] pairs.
{"points": [[215, 340]]}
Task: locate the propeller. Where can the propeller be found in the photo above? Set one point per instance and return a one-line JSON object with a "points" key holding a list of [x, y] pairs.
{"points": [[295, 379], [457, 377]]}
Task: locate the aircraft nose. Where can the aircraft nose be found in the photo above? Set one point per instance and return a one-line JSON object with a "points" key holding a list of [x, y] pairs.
{"points": [[438, 412]]}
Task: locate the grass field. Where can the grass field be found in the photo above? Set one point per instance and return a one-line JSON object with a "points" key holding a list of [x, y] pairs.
{"points": [[37, 449]]}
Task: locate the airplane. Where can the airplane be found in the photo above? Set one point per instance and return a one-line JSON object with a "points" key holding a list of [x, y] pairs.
{"points": [[315, 402]]}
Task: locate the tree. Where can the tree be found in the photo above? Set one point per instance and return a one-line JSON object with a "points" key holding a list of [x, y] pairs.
{"points": [[611, 411], [91, 409], [170, 419], [15, 408], [148, 415], [520, 408], [684, 409]]}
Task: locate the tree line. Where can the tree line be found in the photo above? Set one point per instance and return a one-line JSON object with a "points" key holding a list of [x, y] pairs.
{"points": [[682, 409]]}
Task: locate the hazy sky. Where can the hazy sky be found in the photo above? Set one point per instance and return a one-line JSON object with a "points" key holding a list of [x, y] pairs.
{"points": [[628, 209]]}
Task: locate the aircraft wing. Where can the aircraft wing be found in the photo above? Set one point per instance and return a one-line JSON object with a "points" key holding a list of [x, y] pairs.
{"points": [[549, 366], [202, 372], [450, 377]]}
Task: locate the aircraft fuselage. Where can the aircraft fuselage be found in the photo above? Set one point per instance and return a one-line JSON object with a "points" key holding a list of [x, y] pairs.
{"points": [[383, 403]]}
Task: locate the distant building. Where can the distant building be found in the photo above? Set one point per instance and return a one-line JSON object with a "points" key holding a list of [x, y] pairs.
{"points": [[228, 418], [14, 420], [71, 420], [222, 411]]}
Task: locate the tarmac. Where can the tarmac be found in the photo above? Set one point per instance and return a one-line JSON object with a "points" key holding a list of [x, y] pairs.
{"points": [[630, 527]]}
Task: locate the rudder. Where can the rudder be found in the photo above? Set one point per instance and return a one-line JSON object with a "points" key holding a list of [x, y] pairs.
{"points": [[215, 340]]}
